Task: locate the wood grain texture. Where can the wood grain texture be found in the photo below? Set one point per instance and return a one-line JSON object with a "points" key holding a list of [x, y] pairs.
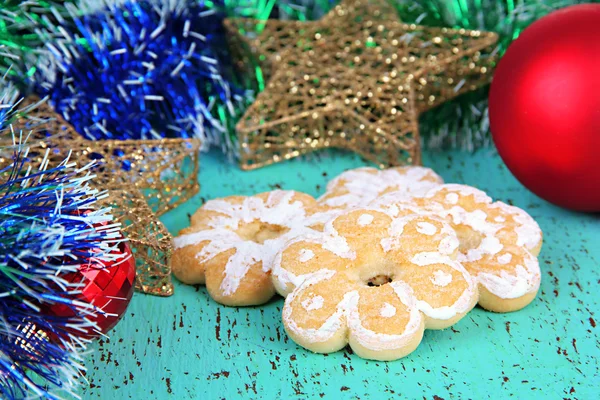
{"points": [[188, 347]]}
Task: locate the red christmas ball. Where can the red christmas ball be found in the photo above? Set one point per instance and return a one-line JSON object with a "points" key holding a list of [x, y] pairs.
{"points": [[545, 107], [108, 287]]}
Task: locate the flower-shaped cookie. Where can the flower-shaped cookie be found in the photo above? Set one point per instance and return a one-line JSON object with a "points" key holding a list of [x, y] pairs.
{"points": [[499, 243], [358, 187], [231, 243], [372, 281]]}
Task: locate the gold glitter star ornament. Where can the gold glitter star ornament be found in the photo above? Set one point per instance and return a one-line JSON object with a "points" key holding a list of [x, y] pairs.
{"points": [[144, 178], [356, 79]]}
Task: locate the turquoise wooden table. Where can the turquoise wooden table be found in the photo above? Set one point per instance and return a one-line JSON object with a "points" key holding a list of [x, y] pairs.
{"points": [[188, 347]]}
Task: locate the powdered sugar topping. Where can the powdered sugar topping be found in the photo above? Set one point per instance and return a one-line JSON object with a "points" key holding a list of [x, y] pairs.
{"points": [[279, 209], [363, 185], [441, 278], [365, 219], [306, 255], [503, 284], [426, 228], [387, 310], [505, 258], [313, 303], [452, 198]]}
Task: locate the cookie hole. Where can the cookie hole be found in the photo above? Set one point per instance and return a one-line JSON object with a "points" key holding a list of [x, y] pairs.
{"points": [[379, 280], [468, 238], [259, 232]]}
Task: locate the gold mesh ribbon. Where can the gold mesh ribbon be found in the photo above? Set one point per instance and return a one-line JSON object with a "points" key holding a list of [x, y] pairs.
{"points": [[145, 179], [356, 79]]}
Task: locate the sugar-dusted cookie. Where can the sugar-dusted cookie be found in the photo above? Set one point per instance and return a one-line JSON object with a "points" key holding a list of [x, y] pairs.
{"points": [[360, 186], [231, 243], [373, 282], [499, 243]]}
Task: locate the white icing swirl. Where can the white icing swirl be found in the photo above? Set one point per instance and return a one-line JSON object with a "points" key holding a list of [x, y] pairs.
{"points": [[279, 209], [313, 303], [306, 255], [329, 328], [380, 341], [426, 228], [387, 310], [363, 185], [365, 219], [524, 278], [441, 278]]}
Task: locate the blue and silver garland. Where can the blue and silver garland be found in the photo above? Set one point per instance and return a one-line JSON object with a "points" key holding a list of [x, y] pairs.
{"points": [[145, 70], [49, 227]]}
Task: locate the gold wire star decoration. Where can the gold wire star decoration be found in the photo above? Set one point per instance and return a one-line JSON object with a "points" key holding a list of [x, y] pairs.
{"points": [[144, 179], [357, 79]]}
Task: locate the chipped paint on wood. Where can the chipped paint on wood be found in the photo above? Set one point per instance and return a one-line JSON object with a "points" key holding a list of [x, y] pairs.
{"points": [[188, 347]]}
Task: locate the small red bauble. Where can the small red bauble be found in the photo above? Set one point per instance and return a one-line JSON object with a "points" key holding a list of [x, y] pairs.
{"points": [[545, 107], [109, 288]]}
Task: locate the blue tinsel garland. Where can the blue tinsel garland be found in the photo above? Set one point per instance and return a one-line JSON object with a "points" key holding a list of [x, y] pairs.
{"points": [[44, 234], [145, 69]]}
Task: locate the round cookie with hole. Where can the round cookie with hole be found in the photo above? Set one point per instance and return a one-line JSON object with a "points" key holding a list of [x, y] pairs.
{"points": [[231, 243], [373, 282], [499, 243]]}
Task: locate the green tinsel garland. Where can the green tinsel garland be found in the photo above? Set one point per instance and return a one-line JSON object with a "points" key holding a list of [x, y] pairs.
{"points": [[15, 45], [301, 10], [20, 43]]}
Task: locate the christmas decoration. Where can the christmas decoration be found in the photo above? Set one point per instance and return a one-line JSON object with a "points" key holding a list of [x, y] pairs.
{"points": [[16, 51], [460, 123], [145, 178], [357, 79], [464, 122], [544, 108], [301, 10], [107, 286], [145, 70], [43, 238], [20, 36]]}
